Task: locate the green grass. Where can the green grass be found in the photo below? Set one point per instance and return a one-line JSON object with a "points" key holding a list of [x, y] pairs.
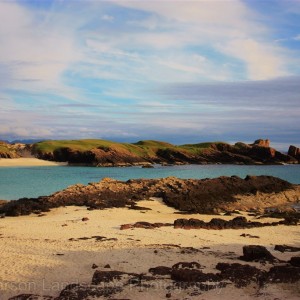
{"points": [[200, 147], [147, 148], [4, 149]]}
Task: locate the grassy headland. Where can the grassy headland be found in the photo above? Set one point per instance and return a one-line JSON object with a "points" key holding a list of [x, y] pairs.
{"points": [[109, 153]]}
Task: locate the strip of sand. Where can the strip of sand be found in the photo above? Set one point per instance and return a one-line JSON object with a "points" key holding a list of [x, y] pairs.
{"points": [[27, 162], [43, 254]]}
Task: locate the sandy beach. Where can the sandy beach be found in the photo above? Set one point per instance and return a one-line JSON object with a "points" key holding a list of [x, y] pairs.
{"points": [[27, 162], [42, 254]]}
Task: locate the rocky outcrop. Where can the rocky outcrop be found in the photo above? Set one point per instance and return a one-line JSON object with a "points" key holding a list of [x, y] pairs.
{"points": [[294, 152], [8, 150], [262, 143], [207, 196]]}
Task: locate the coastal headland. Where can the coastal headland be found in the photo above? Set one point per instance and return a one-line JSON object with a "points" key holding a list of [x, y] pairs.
{"points": [[103, 153]]}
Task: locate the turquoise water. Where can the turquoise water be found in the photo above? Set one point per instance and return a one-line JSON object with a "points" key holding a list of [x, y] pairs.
{"points": [[18, 182]]}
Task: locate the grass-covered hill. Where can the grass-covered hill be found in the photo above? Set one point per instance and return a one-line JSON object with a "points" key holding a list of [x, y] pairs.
{"points": [[109, 153]]}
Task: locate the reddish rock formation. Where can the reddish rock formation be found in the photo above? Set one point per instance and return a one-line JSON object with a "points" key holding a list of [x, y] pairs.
{"points": [[262, 143]]}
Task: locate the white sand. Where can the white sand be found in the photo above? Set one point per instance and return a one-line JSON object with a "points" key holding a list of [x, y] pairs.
{"points": [[27, 162], [29, 246]]}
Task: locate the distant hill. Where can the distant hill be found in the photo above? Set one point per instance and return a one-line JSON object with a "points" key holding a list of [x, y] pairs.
{"points": [[108, 153]]}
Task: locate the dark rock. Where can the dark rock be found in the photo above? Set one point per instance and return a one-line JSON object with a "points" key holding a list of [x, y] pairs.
{"points": [[187, 265], [241, 275], [283, 274], [85, 292], [256, 253], [108, 276], [145, 225], [295, 261], [84, 219], [192, 276], [294, 152], [107, 266], [94, 266], [249, 235], [161, 270], [285, 248], [189, 224], [217, 223], [31, 297]]}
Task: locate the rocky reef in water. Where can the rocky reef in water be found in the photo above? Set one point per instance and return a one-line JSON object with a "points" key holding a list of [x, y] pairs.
{"points": [[208, 196]]}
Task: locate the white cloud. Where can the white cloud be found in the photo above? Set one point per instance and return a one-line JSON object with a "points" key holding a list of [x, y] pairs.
{"points": [[35, 53], [262, 61]]}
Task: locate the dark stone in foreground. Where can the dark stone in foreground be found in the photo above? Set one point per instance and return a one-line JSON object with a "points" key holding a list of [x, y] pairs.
{"points": [[256, 253]]}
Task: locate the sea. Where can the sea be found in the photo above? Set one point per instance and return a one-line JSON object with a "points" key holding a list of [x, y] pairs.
{"points": [[29, 182]]}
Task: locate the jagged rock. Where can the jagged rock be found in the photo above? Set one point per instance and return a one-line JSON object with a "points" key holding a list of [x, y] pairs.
{"points": [[256, 253]]}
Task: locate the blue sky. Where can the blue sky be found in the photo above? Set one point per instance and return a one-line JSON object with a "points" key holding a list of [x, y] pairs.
{"points": [[180, 71]]}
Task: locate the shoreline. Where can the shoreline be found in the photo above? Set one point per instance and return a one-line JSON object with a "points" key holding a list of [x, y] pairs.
{"points": [[28, 162]]}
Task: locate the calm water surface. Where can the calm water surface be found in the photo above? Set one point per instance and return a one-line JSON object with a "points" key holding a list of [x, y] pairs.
{"points": [[18, 182]]}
